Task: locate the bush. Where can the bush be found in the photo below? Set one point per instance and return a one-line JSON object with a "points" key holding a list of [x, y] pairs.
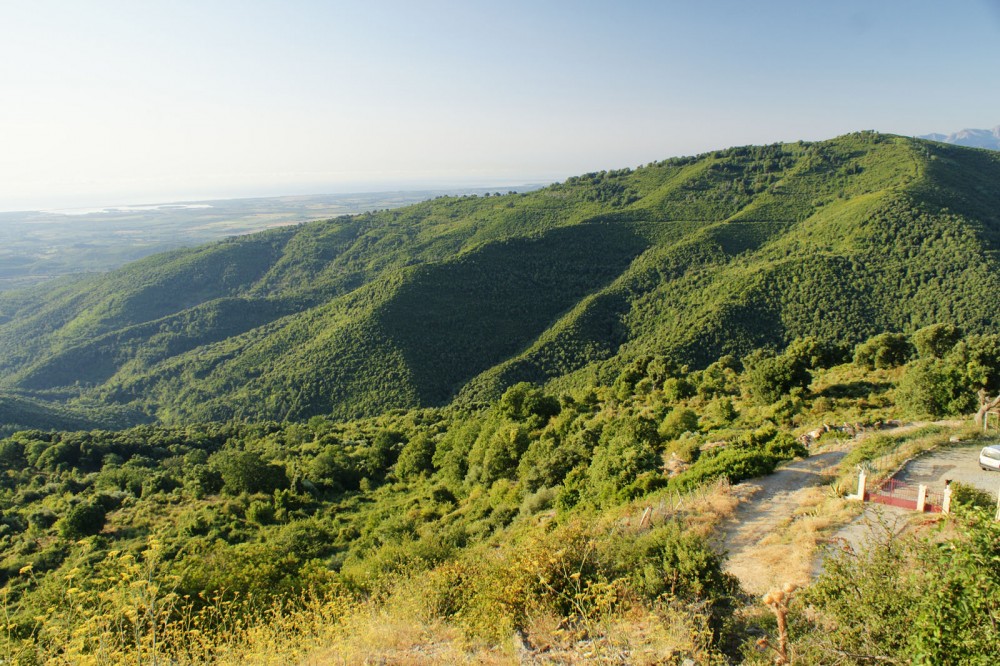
{"points": [[966, 495], [616, 466], [82, 520], [416, 458], [770, 378], [260, 512], [936, 340], [669, 562], [931, 386], [909, 600], [524, 401], [886, 350], [247, 472], [678, 422]]}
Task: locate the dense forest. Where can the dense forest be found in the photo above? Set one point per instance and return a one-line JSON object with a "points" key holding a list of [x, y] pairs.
{"points": [[221, 541], [509, 428], [461, 298]]}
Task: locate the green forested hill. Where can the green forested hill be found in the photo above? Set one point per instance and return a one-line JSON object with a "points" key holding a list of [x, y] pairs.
{"points": [[461, 297]]}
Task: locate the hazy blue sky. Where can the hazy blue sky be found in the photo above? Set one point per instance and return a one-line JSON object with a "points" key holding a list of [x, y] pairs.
{"points": [[138, 101]]}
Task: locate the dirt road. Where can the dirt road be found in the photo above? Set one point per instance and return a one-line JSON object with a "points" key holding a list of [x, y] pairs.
{"points": [[758, 555], [960, 463]]}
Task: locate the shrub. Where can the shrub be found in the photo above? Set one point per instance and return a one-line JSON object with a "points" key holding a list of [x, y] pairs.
{"points": [[772, 377], [886, 350], [83, 520], [416, 458], [909, 600], [670, 562], [524, 401], [936, 340], [966, 495], [677, 422], [260, 512], [616, 466], [496, 453], [935, 387], [247, 472]]}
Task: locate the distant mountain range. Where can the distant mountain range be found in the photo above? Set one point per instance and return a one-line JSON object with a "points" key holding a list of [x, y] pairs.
{"points": [[973, 138]]}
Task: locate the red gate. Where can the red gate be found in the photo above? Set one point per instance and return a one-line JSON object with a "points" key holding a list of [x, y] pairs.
{"points": [[903, 495]]}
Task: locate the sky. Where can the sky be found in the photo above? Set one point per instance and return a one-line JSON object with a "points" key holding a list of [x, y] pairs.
{"points": [[112, 103]]}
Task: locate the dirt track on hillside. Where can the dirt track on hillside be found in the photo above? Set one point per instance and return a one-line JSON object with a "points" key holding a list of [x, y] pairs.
{"points": [[758, 555], [765, 555]]}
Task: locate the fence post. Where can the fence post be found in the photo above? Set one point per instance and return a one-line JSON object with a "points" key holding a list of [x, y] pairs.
{"points": [[921, 497], [862, 486], [645, 517], [998, 506], [946, 498]]}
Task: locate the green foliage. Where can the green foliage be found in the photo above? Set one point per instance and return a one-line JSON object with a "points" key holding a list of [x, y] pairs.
{"points": [[936, 340], [497, 451], [909, 600], [678, 422], [409, 359], [966, 495], [523, 402], [750, 455], [669, 562], [885, 350], [630, 275], [416, 458], [248, 472], [935, 387], [770, 377], [83, 519], [619, 468]]}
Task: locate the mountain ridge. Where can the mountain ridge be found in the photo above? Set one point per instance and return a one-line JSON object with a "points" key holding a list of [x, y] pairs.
{"points": [[459, 298], [972, 138]]}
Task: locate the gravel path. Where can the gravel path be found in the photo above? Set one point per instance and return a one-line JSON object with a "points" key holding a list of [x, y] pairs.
{"points": [[763, 557], [960, 463], [759, 566]]}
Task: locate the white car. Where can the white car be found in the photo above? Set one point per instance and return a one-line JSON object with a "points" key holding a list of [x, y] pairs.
{"points": [[989, 457]]}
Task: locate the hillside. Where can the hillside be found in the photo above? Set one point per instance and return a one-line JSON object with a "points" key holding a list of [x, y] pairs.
{"points": [[690, 258]]}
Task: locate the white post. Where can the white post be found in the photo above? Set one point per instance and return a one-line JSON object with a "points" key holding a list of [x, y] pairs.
{"points": [[946, 500], [862, 485], [998, 506], [921, 497], [645, 516]]}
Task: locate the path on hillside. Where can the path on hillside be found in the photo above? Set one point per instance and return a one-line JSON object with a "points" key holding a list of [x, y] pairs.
{"points": [[955, 463], [760, 554], [751, 536]]}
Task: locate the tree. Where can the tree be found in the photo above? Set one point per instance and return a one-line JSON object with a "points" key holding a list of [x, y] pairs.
{"points": [[935, 387], [886, 350], [770, 378], [678, 422], [936, 340], [617, 466], [416, 458], [83, 520], [523, 401], [247, 472]]}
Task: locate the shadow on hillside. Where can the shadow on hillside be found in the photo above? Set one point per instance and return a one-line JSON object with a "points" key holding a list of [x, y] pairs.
{"points": [[455, 320], [858, 389]]}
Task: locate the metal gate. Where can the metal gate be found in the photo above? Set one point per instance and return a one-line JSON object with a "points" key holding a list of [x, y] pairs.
{"points": [[904, 495]]}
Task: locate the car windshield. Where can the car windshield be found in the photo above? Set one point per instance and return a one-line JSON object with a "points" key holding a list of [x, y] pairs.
{"points": [[991, 453]]}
